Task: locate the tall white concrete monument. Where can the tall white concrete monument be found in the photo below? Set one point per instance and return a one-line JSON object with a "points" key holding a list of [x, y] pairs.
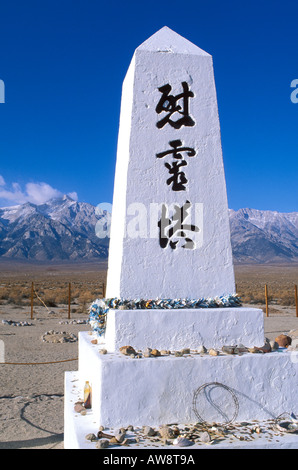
{"points": [[170, 276], [170, 235]]}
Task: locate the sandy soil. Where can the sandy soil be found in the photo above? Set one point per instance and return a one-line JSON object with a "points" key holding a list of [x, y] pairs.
{"points": [[31, 396]]}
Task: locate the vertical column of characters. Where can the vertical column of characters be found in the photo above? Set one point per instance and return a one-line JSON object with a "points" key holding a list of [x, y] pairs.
{"points": [[172, 229]]}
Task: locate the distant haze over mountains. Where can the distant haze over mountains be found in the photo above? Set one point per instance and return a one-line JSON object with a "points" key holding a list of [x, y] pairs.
{"points": [[64, 230]]}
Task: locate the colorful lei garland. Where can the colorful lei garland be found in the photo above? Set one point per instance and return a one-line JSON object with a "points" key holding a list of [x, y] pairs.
{"points": [[100, 307]]}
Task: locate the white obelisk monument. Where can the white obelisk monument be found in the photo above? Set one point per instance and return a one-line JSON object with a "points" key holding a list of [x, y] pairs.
{"points": [[170, 240], [170, 235]]}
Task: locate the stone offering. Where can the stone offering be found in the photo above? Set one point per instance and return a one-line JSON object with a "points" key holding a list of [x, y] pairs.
{"points": [[127, 350], [102, 444], [283, 341]]}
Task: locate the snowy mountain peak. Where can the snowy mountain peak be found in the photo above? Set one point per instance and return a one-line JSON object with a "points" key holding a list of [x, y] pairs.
{"points": [[264, 236], [60, 229]]}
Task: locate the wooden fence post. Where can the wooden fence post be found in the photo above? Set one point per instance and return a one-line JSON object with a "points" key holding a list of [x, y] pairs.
{"points": [[69, 299], [32, 295], [296, 300], [266, 300]]}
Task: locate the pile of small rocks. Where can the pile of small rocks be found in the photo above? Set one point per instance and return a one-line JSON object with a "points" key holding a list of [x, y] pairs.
{"points": [[52, 336], [73, 322], [184, 435], [282, 341], [148, 352], [16, 323]]}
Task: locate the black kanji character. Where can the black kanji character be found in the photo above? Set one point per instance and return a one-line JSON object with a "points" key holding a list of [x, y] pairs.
{"points": [[178, 180], [174, 227], [177, 149], [169, 104]]}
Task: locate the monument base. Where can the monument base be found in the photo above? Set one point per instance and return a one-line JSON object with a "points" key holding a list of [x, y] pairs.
{"points": [[78, 426], [156, 391], [175, 329]]}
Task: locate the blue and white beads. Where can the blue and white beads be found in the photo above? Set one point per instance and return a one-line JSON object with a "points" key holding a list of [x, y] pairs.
{"points": [[100, 307]]}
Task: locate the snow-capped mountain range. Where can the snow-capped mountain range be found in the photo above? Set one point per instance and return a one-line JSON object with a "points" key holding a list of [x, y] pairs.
{"points": [[61, 229], [264, 236], [64, 230]]}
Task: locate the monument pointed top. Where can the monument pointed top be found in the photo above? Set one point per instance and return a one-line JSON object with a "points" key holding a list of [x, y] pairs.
{"points": [[166, 40]]}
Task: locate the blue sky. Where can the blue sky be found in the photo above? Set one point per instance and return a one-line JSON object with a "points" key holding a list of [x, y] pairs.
{"points": [[63, 63]]}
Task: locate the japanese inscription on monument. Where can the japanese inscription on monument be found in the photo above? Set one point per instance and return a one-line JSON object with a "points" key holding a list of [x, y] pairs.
{"points": [[178, 180]]}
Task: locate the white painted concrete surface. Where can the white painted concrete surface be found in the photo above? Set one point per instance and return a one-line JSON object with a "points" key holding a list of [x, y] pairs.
{"points": [[155, 391], [185, 328], [78, 426]]}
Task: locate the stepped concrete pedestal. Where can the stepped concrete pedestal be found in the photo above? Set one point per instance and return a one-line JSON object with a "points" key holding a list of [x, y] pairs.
{"points": [[156, 391]]}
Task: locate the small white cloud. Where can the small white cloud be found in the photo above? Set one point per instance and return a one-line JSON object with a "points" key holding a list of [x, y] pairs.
{"points": [[15, 196], [73, 195], [36, 193]]}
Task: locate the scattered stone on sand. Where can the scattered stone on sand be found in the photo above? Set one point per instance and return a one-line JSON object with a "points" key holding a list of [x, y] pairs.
{"points": [[102, 444], [178, 354], [147, 352], [185, 351], [205, 437], [16, 323], [202, 434], [149, 431], [127, 350], [213, 352], [255, 350], [103, 351], [91, 437], [228, 349], [58, 337], [164, 352], [267, 347], [79, 407], [183, 442], [283, 340], [240, 348], [166, 432], [155, 353], [73, 322]]}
